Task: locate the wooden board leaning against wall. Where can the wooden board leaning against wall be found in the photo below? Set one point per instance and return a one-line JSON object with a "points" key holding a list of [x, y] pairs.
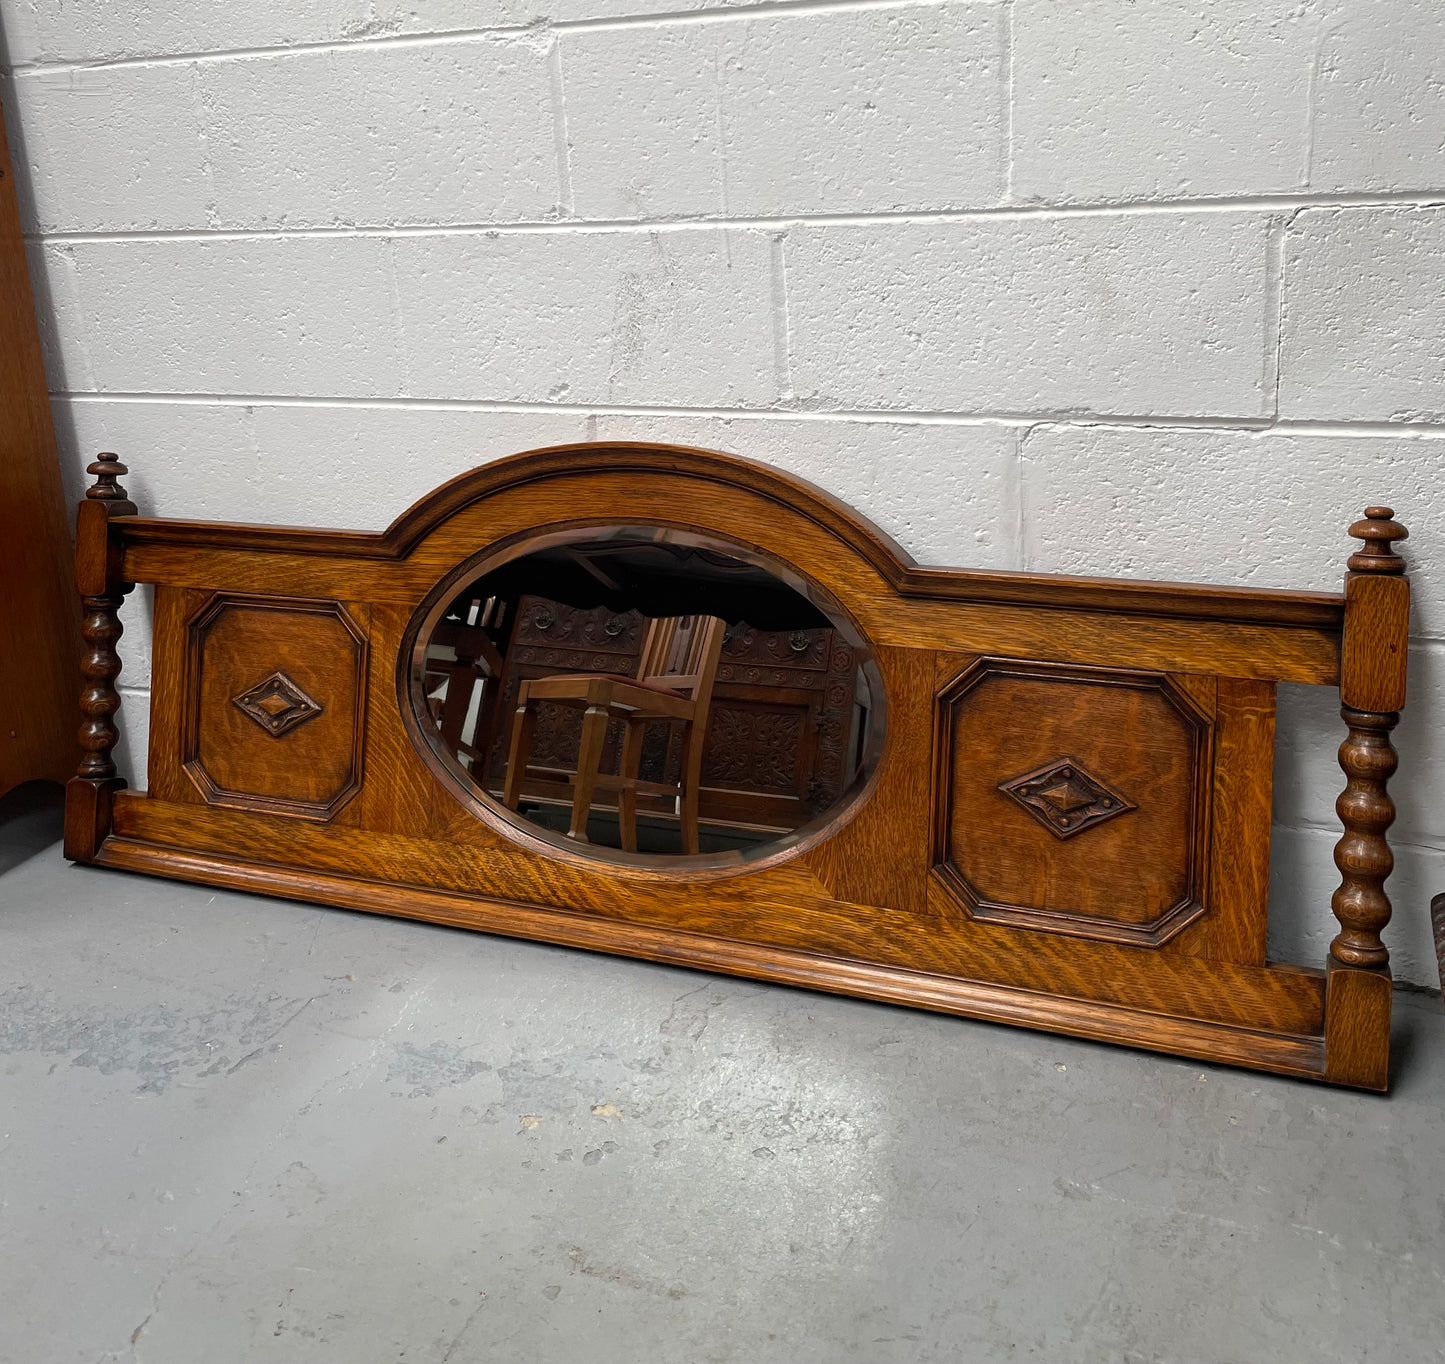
{"points": [[38, 616]]}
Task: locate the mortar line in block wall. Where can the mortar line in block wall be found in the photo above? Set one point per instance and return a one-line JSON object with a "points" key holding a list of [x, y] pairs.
{"points": [[1006, 75], [557, 94], [513, 32], [1016, 497], [1276, 236], [1276, 203], [530, 32], [891, 416], [782, 323]]}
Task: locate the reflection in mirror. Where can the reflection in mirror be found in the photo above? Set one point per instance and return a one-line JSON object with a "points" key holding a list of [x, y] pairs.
{"points": [[636, 690]]}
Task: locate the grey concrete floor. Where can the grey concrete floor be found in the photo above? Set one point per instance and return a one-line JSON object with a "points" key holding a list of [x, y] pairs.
{"points": [[236, 1128]]}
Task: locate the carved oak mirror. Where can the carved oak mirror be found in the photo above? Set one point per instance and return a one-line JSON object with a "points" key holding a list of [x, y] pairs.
{"points": [[669, 703], [645, 697]]}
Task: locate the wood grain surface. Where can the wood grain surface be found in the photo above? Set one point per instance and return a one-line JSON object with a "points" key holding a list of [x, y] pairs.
{"points": [[39, 616]]}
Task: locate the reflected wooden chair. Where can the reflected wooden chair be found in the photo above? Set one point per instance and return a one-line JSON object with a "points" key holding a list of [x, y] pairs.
{"points": [[674, 683], [462, 656]]}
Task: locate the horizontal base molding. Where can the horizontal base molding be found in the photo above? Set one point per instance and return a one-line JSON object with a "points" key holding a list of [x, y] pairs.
{"points": [[1281, 1053]]}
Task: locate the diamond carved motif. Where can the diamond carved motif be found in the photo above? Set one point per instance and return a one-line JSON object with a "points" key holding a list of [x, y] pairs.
{"points": [[277, 704], [1065, 799]]}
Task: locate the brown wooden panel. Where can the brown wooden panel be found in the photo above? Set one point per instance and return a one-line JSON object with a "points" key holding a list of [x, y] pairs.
{"points": [[274, 702], [1286, 654], [39, 619], [398, 781], [1288, 1053], [1357, 1027], [776, 493], [1073, 800], [881, 857], [175, 608], [1234, 929], [783, 907], [1372, 675], [1299, 653]]}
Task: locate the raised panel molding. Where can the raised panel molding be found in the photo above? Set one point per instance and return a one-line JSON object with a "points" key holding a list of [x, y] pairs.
{"points": [[274, 704], [1119, 756]]}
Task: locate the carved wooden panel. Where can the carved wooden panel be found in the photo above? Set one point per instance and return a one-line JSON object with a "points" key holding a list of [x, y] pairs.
{"points": [[753, 747], [277, 704], [571, 638], [1065, 799], [767, 656], [1074, 799], [274, 704]]}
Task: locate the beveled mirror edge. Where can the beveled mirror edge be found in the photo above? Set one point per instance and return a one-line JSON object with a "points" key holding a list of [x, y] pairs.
{"points": [[599, 858]]}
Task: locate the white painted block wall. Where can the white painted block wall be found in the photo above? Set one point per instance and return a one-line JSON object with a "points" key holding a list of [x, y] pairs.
{"points": [[1138, 287]]}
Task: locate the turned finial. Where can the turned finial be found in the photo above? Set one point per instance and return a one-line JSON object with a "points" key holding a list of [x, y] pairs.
{"points": [[107, 470], [1379, 530]]}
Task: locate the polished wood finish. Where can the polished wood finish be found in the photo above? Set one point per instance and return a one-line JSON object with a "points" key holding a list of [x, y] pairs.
{"points": [[38, 617], [1363, 854], [274, 703], [1186, 601], [1074, 800], [102, 589], [1357, 1026], [1377, 600], [1244, 716], [1146, 926], [99, 666], [1372, 687]]}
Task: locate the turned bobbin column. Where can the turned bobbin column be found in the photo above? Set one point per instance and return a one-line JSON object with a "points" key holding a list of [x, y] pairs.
{"points": [[1372, 692], [102, 590], [1363, 855]]}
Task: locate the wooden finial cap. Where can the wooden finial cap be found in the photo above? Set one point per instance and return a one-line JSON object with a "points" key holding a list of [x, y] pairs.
{"points": [[1379, 530], [107, 470]]}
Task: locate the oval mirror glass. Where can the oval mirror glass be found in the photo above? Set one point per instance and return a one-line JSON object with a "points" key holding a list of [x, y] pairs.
{"points": [[646, 697]]}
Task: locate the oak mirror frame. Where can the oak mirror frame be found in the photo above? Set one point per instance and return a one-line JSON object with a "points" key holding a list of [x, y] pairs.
{"points": [[791, 727], [1057, 813]]}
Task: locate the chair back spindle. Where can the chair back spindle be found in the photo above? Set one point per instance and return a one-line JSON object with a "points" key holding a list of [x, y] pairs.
{"points": [[681, 653]]}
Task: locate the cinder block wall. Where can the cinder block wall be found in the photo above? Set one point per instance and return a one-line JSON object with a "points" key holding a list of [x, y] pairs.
{"points": [[1141, 287]]}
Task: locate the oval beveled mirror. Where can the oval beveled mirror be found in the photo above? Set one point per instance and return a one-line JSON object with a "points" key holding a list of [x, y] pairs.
{"points": [[645, 697]]}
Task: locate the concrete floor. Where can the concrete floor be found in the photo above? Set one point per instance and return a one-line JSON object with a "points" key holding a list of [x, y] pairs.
{"points": [[243, 1129]]}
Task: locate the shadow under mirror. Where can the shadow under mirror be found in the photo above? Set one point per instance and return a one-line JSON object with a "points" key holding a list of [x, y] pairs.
{"points": [[647, 696]]}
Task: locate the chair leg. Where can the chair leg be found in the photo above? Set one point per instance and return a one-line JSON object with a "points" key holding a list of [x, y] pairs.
{"points": [[460, 682], [691, 781], [524, 726], [589, 759], [627, 795]]}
